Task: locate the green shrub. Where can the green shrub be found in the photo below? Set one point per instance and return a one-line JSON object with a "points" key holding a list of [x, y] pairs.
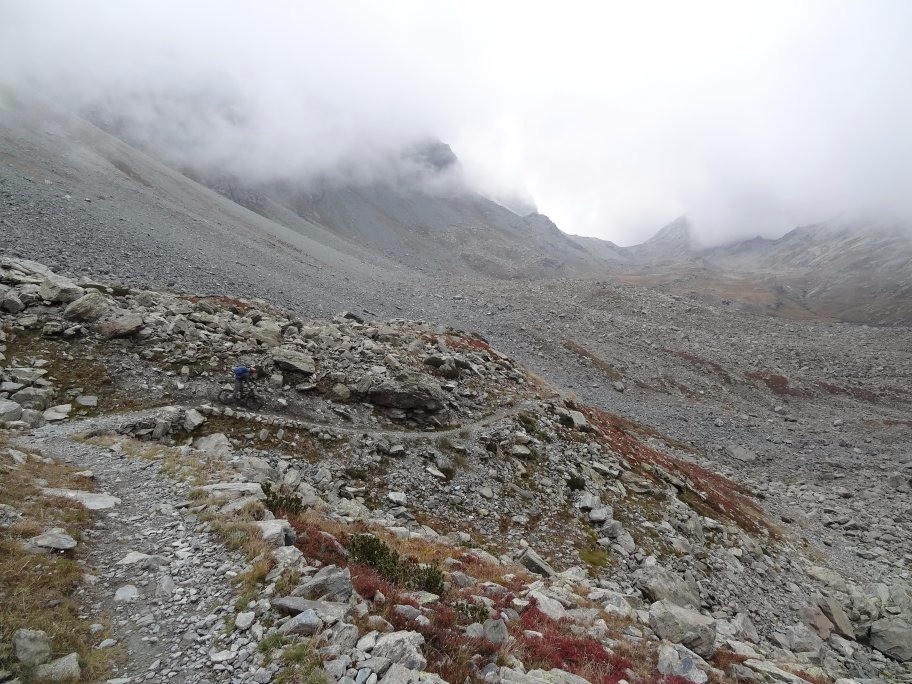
{"points": [[369, 550], [576, 483], [284, 503]]}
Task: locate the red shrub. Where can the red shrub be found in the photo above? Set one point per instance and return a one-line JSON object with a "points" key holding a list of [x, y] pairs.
{"points": [[556, 648], [779, 384], [711, 491]]}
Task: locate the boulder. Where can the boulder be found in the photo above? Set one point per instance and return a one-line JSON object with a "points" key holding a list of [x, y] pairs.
{"points": [[679, 661], [9, 411], [551, 607], [328, 611], [275, 532], [683, 626], [659, 584], [32, 646], [192, 419], [411, 393], [306, 623], [535, 563], [63, 670], [89, 308], [892, 636], [837, 616], [293, 360], [330, 584], [496, 632], [55, 539], [401, 647], [37, 398], [216, 443], [125, 325], [59, 290]]}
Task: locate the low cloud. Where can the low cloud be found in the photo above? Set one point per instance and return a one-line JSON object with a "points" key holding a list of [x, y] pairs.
{"points": [[748, 117]]}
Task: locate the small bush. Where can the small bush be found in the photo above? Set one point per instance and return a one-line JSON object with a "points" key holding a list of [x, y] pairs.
{"points": [[374, 552], [286, 504], [576, 483]]}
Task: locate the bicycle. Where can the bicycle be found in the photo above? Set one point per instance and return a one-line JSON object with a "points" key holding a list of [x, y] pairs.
{"points": [[248, 398]]}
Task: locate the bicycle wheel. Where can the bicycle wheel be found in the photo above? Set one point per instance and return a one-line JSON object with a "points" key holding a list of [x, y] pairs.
{"points": [[253, 402], [226, 396]]}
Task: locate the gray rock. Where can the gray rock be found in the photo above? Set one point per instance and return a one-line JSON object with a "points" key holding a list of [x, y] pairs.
{"points": [[89, 308], [293, 360], [55, 539], [32, 646], [413, 392], [9, 411], [893, 637], [739, 453], [329, 612], [329, 584], [65, 669], [496, 632], [659, 584], [535, 563], [38, 398], [401, 647], [216, 443], [91, 500], [193, 419], [125, 325], [835, 613], [126, 594], [682, 662], [57, 289], [683, 626], [277, 532], [306, 623]]}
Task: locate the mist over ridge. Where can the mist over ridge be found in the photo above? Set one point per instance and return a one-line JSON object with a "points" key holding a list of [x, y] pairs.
{"points": [[750, 120]]}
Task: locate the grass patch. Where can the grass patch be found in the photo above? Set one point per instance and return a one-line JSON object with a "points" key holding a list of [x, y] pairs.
{"points": [[78, 363], [778, 384], [302, 666], [609, 370], [36, 590]]}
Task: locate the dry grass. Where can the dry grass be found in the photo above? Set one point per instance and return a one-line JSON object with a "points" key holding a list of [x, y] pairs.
{"points": [[700, 361], [609, 370], [36, 590], [78, 363], [198, 469], [778, 384]]}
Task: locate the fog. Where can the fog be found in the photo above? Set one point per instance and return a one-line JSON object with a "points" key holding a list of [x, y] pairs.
{"points": [[612, 118]]}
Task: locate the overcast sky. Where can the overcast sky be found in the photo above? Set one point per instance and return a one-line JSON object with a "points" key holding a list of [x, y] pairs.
{"points": [[614, 117]]}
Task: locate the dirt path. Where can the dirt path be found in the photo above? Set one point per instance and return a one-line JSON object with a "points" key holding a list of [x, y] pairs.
{"points": [[182, 585]]}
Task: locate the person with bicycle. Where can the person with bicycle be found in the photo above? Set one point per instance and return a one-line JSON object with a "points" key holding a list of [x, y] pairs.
{"points": [[243, 374]]}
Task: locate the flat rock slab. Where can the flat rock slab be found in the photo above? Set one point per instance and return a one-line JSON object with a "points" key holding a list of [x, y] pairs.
{"points": [[91, 500], [55, 539]]}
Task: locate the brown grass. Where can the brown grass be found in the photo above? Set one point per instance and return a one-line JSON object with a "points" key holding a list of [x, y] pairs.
{"points": [[700, 361], [854, 392], [36, 590], [78, 363], [609, 370], [778, 384], [198, 469]]}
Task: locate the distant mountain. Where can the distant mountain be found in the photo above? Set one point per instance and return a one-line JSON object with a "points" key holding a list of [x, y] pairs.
{"points": [[859, 272], [670, 243], [428, 221]]}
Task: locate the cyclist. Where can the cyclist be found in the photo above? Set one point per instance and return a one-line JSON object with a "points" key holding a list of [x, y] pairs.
{"points": [[242, 375]]}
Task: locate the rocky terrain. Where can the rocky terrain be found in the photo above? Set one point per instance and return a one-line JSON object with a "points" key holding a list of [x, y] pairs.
{"points": [[632, 488]]}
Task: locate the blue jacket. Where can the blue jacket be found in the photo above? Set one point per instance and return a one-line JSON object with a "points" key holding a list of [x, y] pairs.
{"points": [[241, 372]]}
